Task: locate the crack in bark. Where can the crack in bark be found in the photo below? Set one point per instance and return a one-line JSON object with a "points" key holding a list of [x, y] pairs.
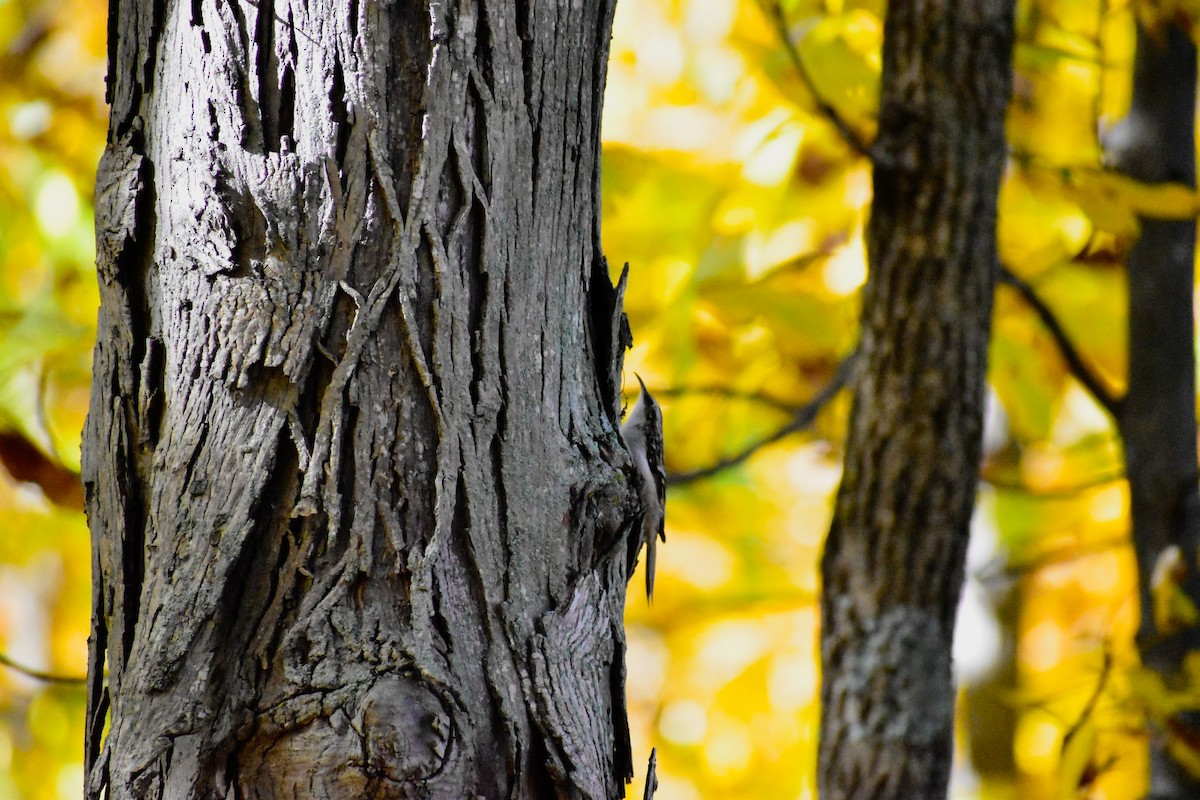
{"points": [[266, 62]]}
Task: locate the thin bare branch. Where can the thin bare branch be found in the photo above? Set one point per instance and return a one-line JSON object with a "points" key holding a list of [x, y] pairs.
{"points": [[1084, 374], [801, 420], [727, 392], [1002, 568], [22, 460], [1094, 700], [1017, 487], [804, 416], [777, 17], [38, 675]]}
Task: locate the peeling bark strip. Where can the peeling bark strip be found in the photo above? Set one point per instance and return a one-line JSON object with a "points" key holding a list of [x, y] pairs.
{"points": [[357, 496], [893, 563]]}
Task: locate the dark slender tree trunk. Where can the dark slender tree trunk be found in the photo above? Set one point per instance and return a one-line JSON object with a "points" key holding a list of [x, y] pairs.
{"points": [[893, 564], [357, 495], [1156, 143]]}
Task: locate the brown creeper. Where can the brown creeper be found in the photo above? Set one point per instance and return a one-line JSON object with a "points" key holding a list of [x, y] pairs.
{"points": [[643, 435]]}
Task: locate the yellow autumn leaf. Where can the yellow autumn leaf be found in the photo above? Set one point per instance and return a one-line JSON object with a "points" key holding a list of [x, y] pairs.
{"points": [[1038, 226], [1153, 694], [1114, 201], [1161, 201], [842, 54], [1185, 755], [1077, 754], [1173, 609]]}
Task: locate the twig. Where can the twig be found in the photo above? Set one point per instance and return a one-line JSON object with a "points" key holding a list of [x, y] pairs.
{"points": [[288, 23], [1002, 569], [24, 462], [1075, 362], [1067, 171], [1018, 487], [1090, 706], [651, 775], [729, 393], [802, 419], [38, 675], [773, 11]]}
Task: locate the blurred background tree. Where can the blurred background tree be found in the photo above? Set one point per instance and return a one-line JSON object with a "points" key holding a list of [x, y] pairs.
{"points": [[740, 203]]}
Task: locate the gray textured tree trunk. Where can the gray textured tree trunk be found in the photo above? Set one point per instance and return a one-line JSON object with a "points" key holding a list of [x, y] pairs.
{"points": [[357, 494], [893, 563], [1157, 419]]}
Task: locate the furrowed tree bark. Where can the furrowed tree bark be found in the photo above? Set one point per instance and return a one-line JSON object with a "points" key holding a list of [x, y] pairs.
{"points": [[1156, 143], [358, 500], [893, 562]]}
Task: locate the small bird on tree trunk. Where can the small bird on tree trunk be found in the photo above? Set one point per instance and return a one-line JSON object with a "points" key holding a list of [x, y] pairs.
{"points": [[643, 435]]}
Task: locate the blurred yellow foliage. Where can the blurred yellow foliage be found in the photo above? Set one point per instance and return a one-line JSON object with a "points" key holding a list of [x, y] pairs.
{"points": [[741, 209], [52, 118]]}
